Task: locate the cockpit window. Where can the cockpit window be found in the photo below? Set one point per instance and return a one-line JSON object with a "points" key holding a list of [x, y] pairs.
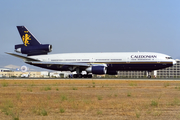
{"points": [[168, 57]]}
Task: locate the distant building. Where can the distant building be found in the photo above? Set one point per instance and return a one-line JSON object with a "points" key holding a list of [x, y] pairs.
{"points": [[5, 70], [45, 74], [20, 74], [170, 72], [132, 74], [33, 74], [60, 74]]}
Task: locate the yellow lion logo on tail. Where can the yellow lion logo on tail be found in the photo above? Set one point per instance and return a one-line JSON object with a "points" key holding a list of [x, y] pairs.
{"points": [[26, 38]]}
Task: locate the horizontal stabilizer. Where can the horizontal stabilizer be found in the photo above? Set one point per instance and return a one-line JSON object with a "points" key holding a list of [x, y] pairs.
{"points": [[23, 57]]}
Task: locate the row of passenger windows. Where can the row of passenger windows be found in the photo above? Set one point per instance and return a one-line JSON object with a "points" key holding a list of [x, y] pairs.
{"points": [[108, 59], [85, 59], [63, 60]]}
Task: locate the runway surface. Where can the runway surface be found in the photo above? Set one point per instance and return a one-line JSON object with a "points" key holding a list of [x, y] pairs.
{"points": [[89, 79]]}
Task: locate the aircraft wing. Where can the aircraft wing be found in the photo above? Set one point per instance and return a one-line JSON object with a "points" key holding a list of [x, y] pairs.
{"points": [[77, 64], [70, 65], [60, 63], [22, 57]]}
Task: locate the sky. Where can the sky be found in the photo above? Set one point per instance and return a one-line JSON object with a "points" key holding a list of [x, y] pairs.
{"points": [[73, 26]]}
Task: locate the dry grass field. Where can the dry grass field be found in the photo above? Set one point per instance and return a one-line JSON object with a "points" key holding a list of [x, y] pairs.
{"points": [[89, 100]]}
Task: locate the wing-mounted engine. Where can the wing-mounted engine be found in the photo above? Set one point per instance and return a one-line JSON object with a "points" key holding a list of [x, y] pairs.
{"points": [[97, 70], [41, 49]]}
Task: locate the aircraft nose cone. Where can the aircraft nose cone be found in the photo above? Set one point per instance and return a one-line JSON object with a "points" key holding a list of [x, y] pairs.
{"points": [[174, 62]]}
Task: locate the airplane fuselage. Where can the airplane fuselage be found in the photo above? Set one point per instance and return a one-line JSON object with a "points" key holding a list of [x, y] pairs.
{"points": [[115, 61]]}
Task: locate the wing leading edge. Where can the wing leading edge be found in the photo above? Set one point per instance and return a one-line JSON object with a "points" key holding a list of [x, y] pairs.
{"points": [[39, 62], [23, 57], [60, 63]]}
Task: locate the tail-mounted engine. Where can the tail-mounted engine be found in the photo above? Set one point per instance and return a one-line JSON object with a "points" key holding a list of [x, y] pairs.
{"points": [[41, 49]]}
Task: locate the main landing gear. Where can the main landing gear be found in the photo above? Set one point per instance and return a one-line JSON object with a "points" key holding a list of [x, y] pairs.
{"points": [[149, 74], [80, 76]]}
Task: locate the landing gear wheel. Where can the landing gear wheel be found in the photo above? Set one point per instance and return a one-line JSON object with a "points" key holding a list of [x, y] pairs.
{"points": [[89, 76], [149, 74], [75, 76], [70, 76], [79, 75]]}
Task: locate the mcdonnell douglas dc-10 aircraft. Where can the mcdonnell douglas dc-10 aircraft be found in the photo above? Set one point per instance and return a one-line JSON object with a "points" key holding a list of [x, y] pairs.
{"points": [[92, 63]]}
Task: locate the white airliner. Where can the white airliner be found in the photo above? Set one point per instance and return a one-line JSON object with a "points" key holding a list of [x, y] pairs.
{"points": [[92, 63]]}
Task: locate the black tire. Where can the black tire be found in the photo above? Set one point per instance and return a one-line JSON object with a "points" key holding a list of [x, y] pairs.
{"points": [[149, 76], [75, 76], [84, 76], [89, 76], [79, 75]]}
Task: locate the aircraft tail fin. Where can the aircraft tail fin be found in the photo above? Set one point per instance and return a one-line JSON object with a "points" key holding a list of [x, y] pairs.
{"points": [[27, 38]]}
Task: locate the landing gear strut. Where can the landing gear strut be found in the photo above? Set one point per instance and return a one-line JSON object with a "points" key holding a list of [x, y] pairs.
{"points": [[149, 74], [80, 75]]}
